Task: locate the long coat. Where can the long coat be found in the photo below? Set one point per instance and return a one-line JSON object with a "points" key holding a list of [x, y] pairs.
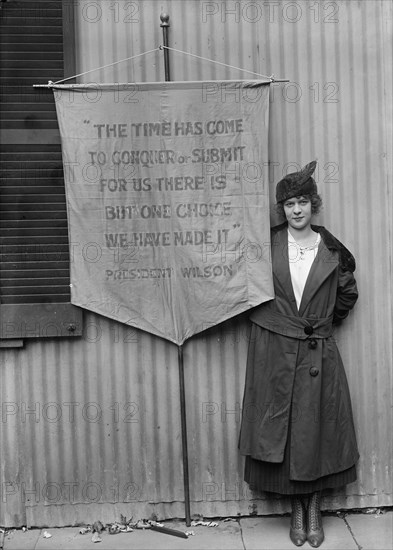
{"points": [[294, 370]]}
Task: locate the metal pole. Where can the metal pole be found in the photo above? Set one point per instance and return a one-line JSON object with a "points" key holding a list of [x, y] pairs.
{"points": [[165, 26], [186, 479]]}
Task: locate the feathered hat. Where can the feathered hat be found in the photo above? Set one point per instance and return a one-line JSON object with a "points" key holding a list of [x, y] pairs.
{"points": [[297, 184]]}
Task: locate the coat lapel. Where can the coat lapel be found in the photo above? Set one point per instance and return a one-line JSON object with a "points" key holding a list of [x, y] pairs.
{"points": [[324, 264], [280, 264]]}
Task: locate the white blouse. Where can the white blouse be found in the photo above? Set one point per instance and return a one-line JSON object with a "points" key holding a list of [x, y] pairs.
{"points": [[300, 261]]}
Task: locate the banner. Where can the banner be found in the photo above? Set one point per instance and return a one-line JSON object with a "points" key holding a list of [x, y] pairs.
{"points": [[167, 199]]}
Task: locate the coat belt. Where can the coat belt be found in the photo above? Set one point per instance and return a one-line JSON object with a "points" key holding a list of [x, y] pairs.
{"points": [[294, 327]]}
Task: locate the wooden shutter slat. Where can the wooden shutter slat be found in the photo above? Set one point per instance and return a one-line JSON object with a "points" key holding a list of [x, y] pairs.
{"points": [[32, 299], [35, 149], [34, 239], [15, 35], [27, 265], [28, 186], [39, 172], [33, 22], [27, 248], [43, 256], [12, 58], [34, 124], [37, 231], [30, 192], [26, 283], [10, 163], [32, 224], [19, 201], [34, 208], [33, 273], [30, 107], [34, 216], [21, 48], [37, 114], [11, 62], [31, 159]]}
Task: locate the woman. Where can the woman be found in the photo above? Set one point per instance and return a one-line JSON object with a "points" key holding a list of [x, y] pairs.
{"points": [[297, 428]]}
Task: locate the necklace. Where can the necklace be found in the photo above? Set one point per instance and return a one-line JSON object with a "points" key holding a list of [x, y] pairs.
{"points": [[302, 249]]}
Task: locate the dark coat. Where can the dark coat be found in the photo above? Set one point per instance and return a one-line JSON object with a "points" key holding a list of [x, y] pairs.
{"points": [[294, 369]]}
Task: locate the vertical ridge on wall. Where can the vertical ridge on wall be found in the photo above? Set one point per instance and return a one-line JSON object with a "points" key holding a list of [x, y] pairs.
{"points": [[12, 470]]}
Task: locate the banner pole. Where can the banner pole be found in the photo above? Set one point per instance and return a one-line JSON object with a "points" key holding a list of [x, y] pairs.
{"points": [[186, 477], [165, 25]]}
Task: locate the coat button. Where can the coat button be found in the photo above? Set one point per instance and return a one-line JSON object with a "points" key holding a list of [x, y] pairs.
{"points": [[312, 344], [314, 371], [308, 330]]}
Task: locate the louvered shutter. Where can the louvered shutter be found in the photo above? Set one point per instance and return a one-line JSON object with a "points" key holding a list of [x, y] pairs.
{"points": [[34, 247]]}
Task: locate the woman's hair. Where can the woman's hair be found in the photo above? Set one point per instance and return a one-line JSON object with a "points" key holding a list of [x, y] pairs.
{"points": [[316, 204]]}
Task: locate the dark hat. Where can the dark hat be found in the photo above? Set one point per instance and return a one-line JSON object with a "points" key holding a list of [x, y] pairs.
{"points": [[297, 183]]}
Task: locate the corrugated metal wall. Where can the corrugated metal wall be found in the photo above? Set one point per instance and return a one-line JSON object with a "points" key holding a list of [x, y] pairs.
{"points": [[91, 428]]}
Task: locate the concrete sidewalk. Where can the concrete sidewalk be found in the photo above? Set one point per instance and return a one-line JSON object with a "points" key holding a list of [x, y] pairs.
{"points": [[343, 531]]}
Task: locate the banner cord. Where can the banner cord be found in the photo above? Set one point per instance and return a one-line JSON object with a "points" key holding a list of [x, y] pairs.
{"points": [[103, 67], [270, 78]]}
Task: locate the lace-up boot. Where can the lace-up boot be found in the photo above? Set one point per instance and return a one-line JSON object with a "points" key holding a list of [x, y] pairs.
{"points": [[297, 531], [315, 534]]}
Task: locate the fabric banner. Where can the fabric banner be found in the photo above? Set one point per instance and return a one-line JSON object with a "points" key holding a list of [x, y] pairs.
{"points": [[167, 198]]}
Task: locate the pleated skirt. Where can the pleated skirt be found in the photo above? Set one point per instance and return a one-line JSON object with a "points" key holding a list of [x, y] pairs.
{"points": [[274, 477]]}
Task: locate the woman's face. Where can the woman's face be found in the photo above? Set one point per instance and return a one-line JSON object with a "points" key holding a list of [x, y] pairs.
{"points": [[298, 212]]}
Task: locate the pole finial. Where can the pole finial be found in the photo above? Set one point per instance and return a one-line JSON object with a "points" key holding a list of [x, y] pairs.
{"points": [[164, 20]]}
